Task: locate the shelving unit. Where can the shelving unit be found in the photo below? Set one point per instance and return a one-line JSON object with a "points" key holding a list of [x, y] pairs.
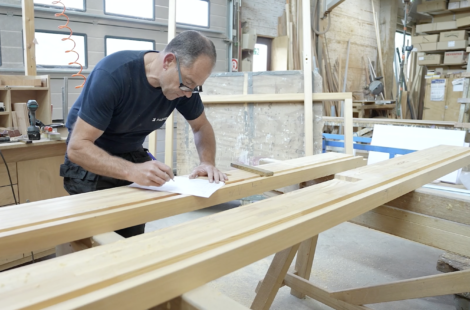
{"points": [[12, 92]]}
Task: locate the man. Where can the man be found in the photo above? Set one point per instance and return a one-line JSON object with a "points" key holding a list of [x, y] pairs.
{"points": [[128, 95]]}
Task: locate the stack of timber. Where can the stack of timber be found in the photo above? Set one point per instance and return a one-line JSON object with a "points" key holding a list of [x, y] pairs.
{"points": [[150, 269], [47, 223]]}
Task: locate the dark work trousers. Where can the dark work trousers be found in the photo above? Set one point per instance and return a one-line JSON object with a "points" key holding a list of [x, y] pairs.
{"points": [[78, 180]]}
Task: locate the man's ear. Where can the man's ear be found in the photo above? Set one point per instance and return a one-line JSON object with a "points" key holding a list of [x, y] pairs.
{"points": [[168, 60]]}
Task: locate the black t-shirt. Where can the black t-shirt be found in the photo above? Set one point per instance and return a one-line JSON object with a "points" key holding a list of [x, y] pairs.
{"points": [[118, 99]]}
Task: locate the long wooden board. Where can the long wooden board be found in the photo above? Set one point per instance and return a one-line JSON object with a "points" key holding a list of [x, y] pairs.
{"points": [[148, 270], [47, 223]]}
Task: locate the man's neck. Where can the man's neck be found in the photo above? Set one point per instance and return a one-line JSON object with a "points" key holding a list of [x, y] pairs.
{"points": [[152, 68]]}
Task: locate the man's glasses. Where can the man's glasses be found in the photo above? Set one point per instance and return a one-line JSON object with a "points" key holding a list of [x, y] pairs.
{"points": [[196, 90]]}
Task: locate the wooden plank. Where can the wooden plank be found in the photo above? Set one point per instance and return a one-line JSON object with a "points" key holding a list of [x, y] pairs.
{"points": [[107, 210], [379, 49], [445, 205], [169, 124], [436, 285], [253, 169], [377, 107], [16, 152], [147, 270], [308, 87], [348, 127], [273, 98], [438, 233], [14, 119], [40, 179], [317, 293], [28, 37], [304, 261], [371, 121], [273, 279], [22, 117]]}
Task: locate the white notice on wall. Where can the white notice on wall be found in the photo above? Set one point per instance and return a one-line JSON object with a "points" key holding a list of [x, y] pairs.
{"points": [[457, 85], [438, 89], [451, 44]]}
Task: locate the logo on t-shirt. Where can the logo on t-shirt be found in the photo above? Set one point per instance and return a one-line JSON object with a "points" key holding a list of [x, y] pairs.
{"points": [[159, 120]]}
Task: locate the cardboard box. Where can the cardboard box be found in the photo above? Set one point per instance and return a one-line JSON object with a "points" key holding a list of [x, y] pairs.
{"points": [[457, 35], [432, 6], [463, 21], [422, 28], [426, 47], [455, 58], [425, 39], [446, 25], [431, 59], [444, 17], [453, 5], [452, 45], [464, 4]]}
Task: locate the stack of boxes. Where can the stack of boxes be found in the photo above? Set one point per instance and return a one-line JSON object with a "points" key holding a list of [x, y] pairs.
{"points": [[445, 40]]}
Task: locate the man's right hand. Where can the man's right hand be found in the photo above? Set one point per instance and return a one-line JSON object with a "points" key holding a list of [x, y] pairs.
{"points": [[151, 173]]}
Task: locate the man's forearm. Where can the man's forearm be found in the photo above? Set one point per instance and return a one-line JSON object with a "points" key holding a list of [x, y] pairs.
{"points": [[94, 159], [205, 144]]}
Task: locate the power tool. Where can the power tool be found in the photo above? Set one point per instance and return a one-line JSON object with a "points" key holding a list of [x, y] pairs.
{"points": [[33, 131]]}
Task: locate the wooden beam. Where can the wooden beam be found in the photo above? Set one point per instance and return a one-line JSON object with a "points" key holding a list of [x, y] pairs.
{"points": [[28, 37], [445, 205], [317, 293], [438, 233], [273, 98], [273, 280], [304, 261], [379, 47], [169, 124], [70, 218], [436, 285], [388, 26], [348, 127], [253, 169], [149, 269], [308, 72], [372, 121]]}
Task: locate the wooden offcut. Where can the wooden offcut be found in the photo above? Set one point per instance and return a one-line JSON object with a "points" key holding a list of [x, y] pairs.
{"points": [[253, 169]]}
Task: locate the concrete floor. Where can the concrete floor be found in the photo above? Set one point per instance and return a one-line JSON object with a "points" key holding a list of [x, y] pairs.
{"points": [[347, 256]]}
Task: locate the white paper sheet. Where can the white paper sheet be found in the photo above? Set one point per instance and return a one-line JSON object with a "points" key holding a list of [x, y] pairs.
{"points": [[183, 185]]}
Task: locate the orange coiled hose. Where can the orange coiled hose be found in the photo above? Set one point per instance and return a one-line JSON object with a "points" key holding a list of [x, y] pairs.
{"points": [[74, 44]]}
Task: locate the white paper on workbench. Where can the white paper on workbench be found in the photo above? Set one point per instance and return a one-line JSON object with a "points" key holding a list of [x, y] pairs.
{"points": [[186, 186]]}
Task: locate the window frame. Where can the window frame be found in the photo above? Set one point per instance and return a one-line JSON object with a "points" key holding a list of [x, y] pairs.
{"points": [[52, 6], [208, 17], [130, 16], [124, 38], [85, 66]]}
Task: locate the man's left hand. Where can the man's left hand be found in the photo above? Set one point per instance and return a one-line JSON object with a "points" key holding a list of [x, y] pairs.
{"points": [[210, 171]]}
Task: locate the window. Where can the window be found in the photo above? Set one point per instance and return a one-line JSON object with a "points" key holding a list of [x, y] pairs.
{"points": [[77, 5], [135, 8], [114, 44], [262, 55], [192, 12], [50, 50]]}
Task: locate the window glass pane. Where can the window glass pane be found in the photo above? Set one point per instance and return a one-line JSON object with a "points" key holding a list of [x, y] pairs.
{"points": [[69, 4], [260, 58], [136, 8], [193, 12], [115, 45], [50, 50]]}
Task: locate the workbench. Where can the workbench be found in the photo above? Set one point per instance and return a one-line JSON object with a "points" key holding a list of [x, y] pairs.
{"points": [[34, 170]]}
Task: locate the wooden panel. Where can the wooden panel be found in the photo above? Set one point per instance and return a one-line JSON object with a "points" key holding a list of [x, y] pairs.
{"points": [[150, 269], [424, 229], [22, 117], [23, 258], [279, 53], [39, 179], [81, 216], [4, 179], [6, 195]]}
